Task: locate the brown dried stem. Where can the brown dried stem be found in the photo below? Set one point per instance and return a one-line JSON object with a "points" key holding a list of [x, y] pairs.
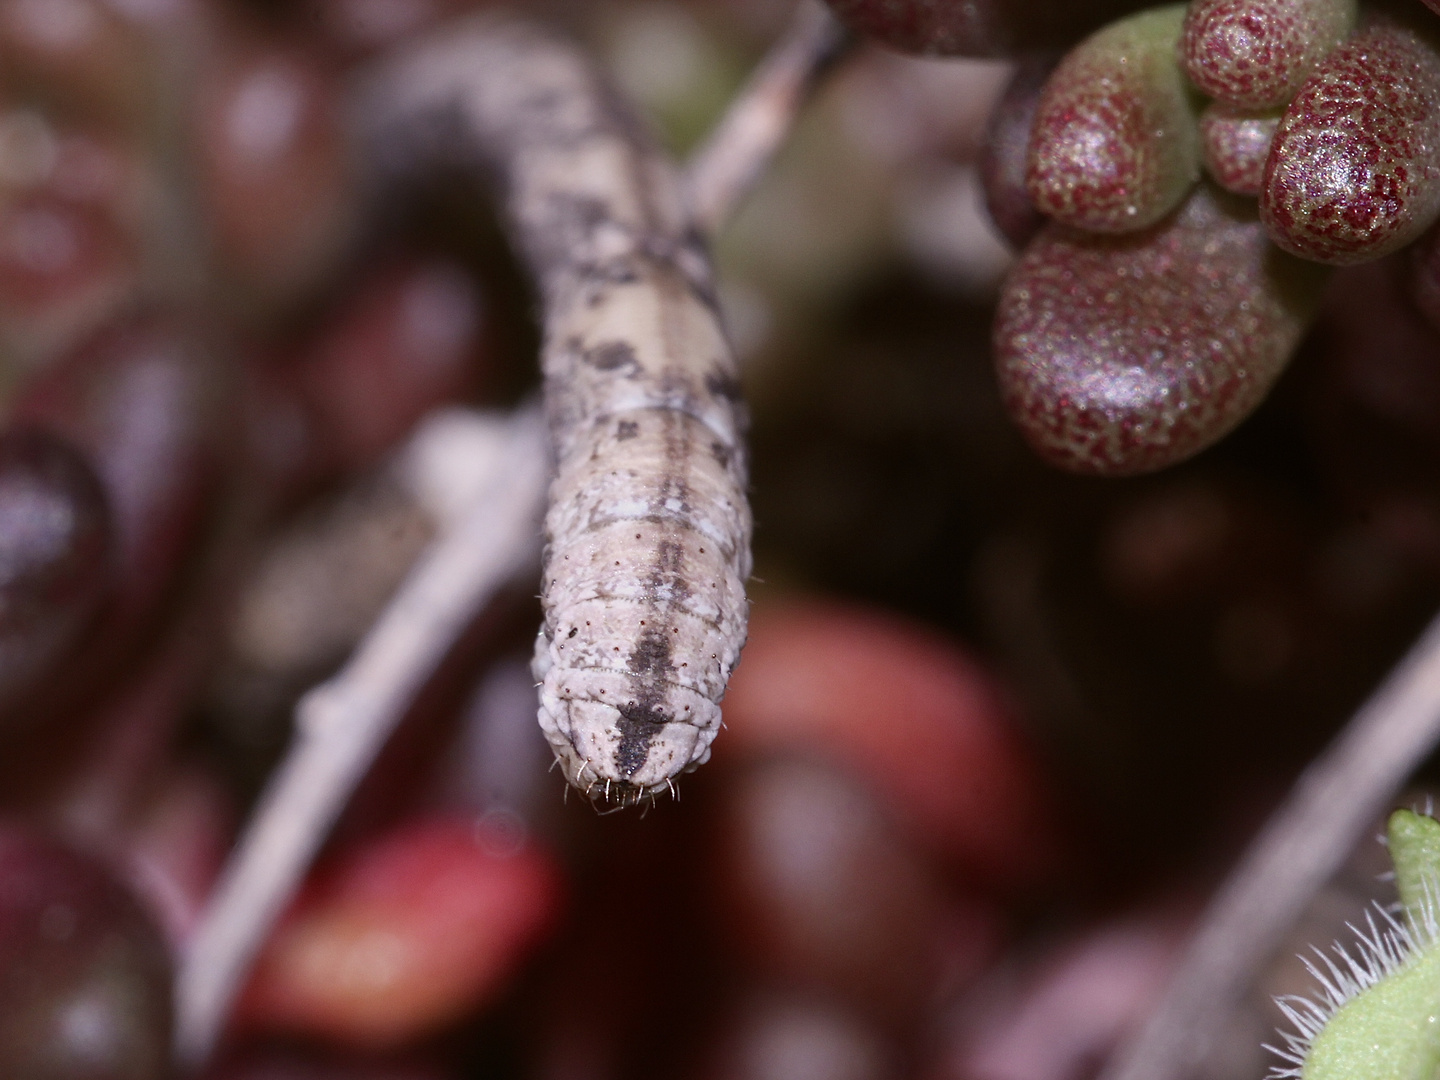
{"points": [[1306, 840], [736, 154]]}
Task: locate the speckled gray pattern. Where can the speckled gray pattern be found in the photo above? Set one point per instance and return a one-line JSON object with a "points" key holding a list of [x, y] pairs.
{"points": [[648, 530]]}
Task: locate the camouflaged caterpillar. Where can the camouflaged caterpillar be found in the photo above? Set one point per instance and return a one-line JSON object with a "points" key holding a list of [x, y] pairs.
{"points": [[648, 531]]}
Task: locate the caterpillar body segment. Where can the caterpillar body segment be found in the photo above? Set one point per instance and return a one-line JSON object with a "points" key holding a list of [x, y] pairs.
{"points": [[648, 550]]}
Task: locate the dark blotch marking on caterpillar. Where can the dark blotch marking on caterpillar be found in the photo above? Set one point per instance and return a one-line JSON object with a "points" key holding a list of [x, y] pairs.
{"points": [[612, 356], [641, 720], [724, 384]]}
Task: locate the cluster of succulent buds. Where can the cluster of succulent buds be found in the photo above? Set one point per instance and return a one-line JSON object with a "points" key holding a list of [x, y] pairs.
{"points": [[1171, 178]]}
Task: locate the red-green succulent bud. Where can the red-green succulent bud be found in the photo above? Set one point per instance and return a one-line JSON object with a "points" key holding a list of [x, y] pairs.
{"points": [[1354, 171], [1122, 355], [1236, 146], [1116, 145], [1254, 54]]}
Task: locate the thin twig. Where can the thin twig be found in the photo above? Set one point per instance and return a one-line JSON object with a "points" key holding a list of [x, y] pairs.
{"points": [[1303, 844], [342, 723], [737, 152]]}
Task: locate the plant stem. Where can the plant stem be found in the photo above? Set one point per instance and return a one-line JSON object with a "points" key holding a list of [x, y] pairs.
{"points": [[735, 156]]}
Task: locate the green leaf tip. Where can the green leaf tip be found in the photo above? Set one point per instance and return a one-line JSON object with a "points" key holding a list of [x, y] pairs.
{"points": [[1115, 143], [1415, 849]]}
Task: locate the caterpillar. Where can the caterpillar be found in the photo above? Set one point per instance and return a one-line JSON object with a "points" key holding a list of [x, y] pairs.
{"points": [[647, 536], [1376, 1015]]}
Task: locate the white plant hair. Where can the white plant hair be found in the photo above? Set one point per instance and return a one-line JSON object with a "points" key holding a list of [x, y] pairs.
{"points": [[1391, 941]]}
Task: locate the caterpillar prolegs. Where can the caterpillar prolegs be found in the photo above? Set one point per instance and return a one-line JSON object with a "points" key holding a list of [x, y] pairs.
{"points": [[648, 530]]}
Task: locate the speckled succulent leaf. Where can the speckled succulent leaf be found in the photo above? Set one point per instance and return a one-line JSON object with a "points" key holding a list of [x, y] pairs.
{"points": [[1116, 144], [1121, 355], [1254, 54], [1354, 170], [1236, 145], [1415, 849]]}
